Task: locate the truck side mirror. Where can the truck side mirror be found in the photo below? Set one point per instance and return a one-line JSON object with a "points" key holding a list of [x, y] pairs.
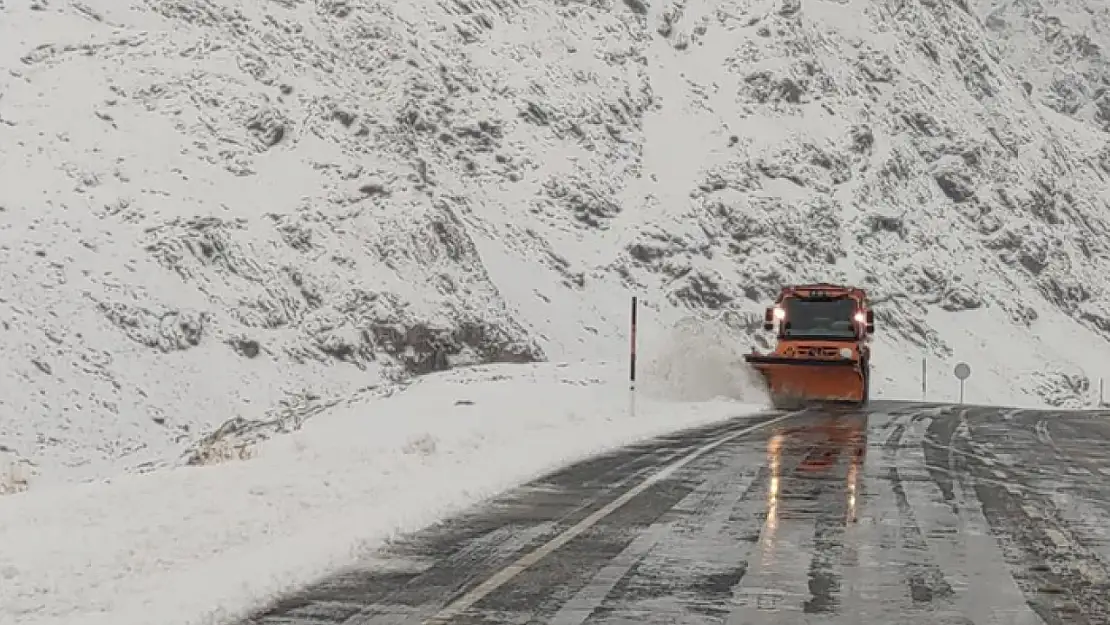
{"points": [[769, 319], [870, 322]]}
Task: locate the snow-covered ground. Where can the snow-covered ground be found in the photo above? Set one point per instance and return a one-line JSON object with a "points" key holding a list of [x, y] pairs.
{"points": [[184, 545]]}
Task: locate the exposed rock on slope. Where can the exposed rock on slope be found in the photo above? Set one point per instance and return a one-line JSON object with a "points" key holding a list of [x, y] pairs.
{"points": [[1059, 49], [212, 207]]}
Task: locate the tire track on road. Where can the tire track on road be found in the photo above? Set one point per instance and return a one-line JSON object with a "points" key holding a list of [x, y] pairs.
{"points": [[796, 575], [877, 564], [927, 582], [1046, 560], [1078, 501], [538, 592], [831, 522], [985, 591], [776, 579], [673, 571]]}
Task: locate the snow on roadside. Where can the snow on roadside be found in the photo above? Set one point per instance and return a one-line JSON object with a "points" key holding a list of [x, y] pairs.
{"points": [[124, 552]]}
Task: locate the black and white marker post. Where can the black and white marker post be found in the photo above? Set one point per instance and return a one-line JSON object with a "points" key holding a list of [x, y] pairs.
{"points": [[632, 350], [924, 378]]}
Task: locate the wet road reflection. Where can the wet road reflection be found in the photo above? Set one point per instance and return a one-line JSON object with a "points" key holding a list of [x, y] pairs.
{"points": [[902, 514], [774, 460], [811, 497]]}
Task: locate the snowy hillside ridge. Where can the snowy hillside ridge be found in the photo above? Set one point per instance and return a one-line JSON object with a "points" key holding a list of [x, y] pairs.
{"points": [[213, 211], [187, 546], [1061, 51]]}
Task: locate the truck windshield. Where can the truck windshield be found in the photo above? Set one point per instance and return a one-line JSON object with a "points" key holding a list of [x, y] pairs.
{"points": [[820, 319]]}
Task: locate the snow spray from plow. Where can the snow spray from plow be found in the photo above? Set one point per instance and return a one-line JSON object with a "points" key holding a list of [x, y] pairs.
{"points": [[821, 355], [694, 359]]}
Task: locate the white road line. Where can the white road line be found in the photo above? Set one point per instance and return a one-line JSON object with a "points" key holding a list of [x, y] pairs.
{"points": [[579, 608], [503, 541], [670, 532], [502, 577]]}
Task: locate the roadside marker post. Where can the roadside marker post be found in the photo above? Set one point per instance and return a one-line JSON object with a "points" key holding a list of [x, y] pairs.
{"points": [[924, 378], [632, 349]]}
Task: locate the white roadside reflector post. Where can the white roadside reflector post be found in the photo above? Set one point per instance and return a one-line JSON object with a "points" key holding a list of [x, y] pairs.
{"points": [[962, 373]]}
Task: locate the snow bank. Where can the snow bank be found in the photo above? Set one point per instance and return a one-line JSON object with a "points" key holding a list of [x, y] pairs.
{"points": [[194, 545]]}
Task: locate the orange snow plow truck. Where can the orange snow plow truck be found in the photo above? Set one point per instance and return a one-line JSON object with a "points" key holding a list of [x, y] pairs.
{"points": [[822, 352]]}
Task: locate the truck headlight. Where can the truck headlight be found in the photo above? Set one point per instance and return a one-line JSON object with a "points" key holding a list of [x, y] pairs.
{"points": [[845, 353]]}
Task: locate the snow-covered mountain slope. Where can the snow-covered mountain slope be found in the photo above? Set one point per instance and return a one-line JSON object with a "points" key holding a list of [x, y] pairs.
{"points": [[252, 209], [1060, 50]]}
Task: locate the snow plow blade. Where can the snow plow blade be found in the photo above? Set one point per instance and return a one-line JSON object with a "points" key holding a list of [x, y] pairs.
{"points": [[794, 382]]}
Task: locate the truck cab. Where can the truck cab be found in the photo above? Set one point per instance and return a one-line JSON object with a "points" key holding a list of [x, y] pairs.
{"points": [[821, 312]]}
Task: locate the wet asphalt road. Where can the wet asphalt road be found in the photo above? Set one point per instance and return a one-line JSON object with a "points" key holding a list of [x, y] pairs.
{"points": [[902, 514]]}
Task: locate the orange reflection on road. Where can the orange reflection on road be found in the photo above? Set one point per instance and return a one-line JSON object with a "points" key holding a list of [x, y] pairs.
{"points": [[774, 461], [853, 482]]}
